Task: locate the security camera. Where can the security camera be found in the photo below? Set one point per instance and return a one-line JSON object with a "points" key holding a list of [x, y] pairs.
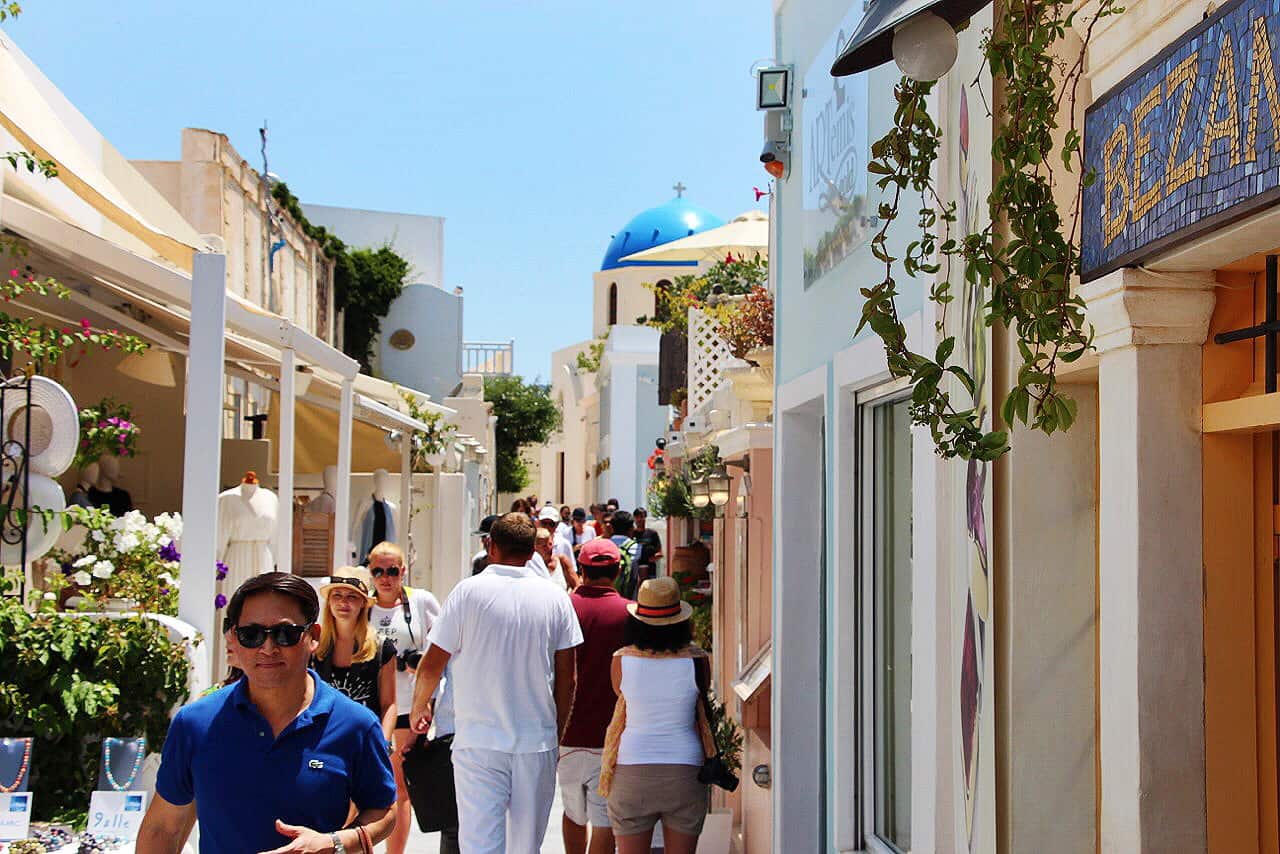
{"points": [[776, 157]]}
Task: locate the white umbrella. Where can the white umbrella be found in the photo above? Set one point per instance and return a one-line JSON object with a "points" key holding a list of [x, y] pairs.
{"points": [[746, 235]]}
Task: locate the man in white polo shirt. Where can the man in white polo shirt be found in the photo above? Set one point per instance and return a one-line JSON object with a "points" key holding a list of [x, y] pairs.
{"points": [[508, 638]]}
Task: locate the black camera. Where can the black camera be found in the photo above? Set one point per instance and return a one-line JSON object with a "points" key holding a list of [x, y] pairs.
{"points": [[715, 773], [408, 660]]}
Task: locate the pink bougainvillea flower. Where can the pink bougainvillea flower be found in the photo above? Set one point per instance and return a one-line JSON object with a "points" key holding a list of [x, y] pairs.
{"points": [[13, 274], [84, 324]]}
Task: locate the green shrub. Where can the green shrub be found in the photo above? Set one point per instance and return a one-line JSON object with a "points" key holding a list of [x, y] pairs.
{"points": [[70, 681]]}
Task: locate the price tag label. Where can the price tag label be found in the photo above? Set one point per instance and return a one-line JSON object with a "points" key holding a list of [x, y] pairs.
{"points": [[117, 813], [15, 815]]}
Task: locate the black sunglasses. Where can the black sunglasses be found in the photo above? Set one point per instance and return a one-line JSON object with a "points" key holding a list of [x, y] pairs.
{"points": [[255, 635], [390, 572]]}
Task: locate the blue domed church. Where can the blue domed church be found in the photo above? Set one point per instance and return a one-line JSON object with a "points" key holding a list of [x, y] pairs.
{"points": [[612, 416]]}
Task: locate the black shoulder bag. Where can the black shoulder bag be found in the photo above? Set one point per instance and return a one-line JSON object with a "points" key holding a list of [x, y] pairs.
{"points": [[714, 771]]}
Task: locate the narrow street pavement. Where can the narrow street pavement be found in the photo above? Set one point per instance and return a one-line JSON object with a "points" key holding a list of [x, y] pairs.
{"points": [[429, 843]]}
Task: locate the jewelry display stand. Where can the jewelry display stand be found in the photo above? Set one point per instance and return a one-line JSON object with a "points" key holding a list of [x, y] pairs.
{"points": [[15, 764], [122, 759]]}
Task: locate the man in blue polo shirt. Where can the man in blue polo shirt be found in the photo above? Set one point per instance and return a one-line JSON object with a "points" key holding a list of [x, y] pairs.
{"points": [[272, 763]]}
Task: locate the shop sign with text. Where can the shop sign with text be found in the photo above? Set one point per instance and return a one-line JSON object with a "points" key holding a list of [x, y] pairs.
{"points": [[1185, 144]]}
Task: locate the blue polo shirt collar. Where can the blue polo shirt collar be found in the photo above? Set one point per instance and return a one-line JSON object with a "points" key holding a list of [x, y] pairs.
{"points": [[321, 704]]}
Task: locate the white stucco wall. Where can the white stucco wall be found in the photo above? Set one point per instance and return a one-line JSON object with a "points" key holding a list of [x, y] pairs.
{"points": [[417, 238], [433, 361]]}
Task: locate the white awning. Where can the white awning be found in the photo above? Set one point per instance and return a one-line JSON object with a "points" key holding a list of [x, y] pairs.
{"points": [[165, 285], [45, 123]]}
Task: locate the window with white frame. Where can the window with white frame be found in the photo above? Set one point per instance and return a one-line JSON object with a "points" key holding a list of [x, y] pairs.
{"points": [[885, 526]]}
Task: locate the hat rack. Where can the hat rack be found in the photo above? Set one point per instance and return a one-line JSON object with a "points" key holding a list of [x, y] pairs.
{"points": [[15, 471]]}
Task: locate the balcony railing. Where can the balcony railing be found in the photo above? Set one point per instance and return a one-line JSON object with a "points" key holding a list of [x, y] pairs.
{"points": [[491, 358]]}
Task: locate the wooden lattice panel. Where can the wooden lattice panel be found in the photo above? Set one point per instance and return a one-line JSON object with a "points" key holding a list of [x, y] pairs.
{"points": [[707, 356]]}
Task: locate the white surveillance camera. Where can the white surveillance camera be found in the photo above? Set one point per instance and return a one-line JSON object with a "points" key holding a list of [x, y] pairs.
{"points": [[776, 157]]}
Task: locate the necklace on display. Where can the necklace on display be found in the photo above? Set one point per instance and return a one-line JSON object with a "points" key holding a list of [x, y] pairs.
{"points": [[137, 763], [22, 769]]}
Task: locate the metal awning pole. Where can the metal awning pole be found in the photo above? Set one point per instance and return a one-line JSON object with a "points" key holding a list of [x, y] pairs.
{"points": [[406, 497], [202, 454], [342, 501], [284, 543]]}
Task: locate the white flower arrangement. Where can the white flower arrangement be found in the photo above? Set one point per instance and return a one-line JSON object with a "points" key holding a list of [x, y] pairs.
{"points": [[129, 557]]}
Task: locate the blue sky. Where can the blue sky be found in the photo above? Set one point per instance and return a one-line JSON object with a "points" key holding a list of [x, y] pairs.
{"points": [[536, 128]]}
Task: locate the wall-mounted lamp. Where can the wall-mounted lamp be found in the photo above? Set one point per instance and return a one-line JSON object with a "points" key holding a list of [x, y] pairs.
{"points": [[744, 496], [699, 492], [919, 36], [773, 97], [302, 380], [718, 486]]}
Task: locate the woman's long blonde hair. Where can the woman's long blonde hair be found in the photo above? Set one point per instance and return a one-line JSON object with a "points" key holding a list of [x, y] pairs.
{"points": [[366, 649]]}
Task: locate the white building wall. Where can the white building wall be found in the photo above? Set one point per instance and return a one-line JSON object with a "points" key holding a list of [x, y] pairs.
{"points": [[417, 238]]}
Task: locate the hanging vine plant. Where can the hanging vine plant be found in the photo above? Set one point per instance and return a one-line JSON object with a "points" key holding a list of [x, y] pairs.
{"points": [[1025, 260]]}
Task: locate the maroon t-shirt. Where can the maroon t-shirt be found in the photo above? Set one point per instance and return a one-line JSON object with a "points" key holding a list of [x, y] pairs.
{"points": [[603, 615]]}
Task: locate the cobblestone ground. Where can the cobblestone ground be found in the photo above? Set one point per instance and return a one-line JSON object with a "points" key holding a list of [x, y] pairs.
{"points": [[429, 843]]}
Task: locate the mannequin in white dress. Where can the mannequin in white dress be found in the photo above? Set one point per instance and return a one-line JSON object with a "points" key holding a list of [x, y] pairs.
{"points": [[325, 501], [377, 517], [247, 517]]}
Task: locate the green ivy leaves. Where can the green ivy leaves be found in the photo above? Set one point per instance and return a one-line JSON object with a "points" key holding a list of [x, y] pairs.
{"points": [[1023, 263]]}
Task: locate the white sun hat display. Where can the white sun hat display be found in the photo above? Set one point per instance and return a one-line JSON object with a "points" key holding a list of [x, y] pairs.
{"points": [[45, 502], [746, 235], [54, 423]]}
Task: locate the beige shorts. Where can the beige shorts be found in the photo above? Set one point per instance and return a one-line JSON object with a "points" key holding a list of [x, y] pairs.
{"points": [[643, 794], [579, 772]]}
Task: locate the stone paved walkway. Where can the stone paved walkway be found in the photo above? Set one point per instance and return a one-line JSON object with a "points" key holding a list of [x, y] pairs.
{"points": [[429, 843]]}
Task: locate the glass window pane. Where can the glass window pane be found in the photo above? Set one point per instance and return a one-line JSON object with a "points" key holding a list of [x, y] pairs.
{"points": [[891, 517]]}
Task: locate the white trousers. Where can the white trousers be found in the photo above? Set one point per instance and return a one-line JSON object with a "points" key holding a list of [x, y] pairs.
{"points": [[504, 799]]}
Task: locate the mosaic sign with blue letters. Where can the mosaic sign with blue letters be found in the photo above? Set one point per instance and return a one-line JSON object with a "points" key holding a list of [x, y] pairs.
{"points": [[1187, 143]]}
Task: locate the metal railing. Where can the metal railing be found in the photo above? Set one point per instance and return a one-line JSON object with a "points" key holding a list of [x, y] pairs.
{"points": [[491, 358]]}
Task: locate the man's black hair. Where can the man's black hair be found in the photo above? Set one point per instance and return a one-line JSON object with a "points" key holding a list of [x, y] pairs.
{"points": [[670, 638], [284, 583], [614, 503], [594, 573], [622, 523]]}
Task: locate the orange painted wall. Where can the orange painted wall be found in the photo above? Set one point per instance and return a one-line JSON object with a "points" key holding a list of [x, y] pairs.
{"points": [[751, 805], [1238, 628]]}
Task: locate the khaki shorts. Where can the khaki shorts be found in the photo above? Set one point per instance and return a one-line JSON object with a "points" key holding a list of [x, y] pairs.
{"points": [[643, 794]]}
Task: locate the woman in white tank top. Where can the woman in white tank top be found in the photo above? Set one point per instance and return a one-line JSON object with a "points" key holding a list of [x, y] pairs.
{"points": [[659, 736]]}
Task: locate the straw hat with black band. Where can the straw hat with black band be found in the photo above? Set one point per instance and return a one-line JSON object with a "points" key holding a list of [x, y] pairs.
{"points": [[658, 603], [356, 578]]}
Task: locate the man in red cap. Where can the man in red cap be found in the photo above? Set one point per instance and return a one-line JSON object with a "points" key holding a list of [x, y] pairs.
{"points": [[603, 615]]}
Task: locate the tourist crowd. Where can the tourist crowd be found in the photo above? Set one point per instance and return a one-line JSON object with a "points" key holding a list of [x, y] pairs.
{"points": [[563, 657]]}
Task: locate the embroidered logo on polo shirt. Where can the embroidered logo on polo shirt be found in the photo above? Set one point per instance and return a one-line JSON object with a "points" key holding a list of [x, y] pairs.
{"points": [[315, 764]]}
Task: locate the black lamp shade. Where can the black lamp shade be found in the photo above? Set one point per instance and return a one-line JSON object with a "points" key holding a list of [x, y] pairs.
{"points": [[872, 43]]}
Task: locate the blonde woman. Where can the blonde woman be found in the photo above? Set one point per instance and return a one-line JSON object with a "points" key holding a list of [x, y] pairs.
{"points": [[350, 657], [403, 616]]}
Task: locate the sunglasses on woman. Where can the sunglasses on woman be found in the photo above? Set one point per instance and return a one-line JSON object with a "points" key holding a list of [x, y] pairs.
{"points": [[255, 635], [390, 572]]}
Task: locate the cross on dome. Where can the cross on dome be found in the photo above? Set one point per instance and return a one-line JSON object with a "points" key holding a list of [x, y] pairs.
{"points": [[679, 188]]}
